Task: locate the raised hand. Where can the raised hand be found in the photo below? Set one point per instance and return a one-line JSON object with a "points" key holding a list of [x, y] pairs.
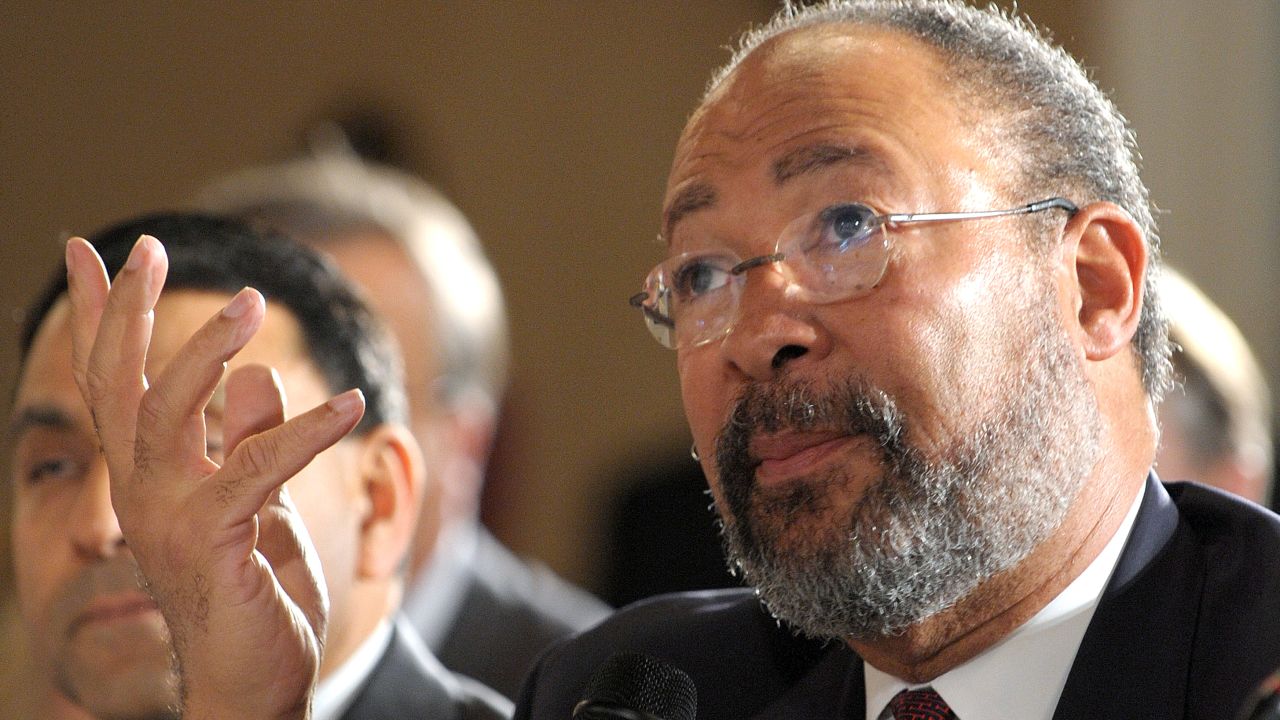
{"points": [[223, 550]]}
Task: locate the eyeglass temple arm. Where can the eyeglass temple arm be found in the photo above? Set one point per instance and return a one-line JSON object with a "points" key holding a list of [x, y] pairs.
{"points": [[637, 301], [1035, 207]]}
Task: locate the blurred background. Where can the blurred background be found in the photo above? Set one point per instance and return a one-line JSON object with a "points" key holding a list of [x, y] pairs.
{"points": [[551, 124]]}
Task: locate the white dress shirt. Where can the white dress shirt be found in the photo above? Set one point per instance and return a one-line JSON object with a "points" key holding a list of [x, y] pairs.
{"points": [[1023, 675], [335, 693]]}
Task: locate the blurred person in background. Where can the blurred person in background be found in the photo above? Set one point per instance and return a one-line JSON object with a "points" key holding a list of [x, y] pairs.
{"points": [[485, 612], [97, 636], [1215, 425]]}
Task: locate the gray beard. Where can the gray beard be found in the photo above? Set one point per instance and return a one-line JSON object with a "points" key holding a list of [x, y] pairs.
{"points": [[926, 531]]}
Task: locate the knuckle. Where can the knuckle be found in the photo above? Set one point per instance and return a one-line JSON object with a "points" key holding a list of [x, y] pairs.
{"points": [[97, 382], [227, 490], [256, 455], [152, 410], [292, 434]]}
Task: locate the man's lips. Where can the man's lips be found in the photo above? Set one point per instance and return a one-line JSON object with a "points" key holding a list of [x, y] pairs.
{"points": [[787, 455], [113, 607]]}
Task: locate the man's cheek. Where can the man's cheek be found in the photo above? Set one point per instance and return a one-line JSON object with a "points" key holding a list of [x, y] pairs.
{"points": [[706, 406]]}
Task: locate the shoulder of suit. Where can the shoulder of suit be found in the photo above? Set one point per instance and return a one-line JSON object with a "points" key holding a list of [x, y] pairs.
{"points": [[1220, 517], [682, 625], [517, 586]]}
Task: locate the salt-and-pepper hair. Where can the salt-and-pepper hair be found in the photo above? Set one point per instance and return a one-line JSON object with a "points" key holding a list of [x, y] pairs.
{"points": [[1070, 138]]}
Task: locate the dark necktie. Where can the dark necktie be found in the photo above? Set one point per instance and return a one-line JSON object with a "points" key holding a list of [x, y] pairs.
{"points": [[920, 705]]}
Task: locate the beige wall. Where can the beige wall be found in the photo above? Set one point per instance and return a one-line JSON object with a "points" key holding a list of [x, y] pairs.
{"points": [[551, 124], [1200, 82]]}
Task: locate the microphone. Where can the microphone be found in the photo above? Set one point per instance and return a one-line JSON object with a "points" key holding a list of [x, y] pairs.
{"points": [[633, 686], [1264, 703]]}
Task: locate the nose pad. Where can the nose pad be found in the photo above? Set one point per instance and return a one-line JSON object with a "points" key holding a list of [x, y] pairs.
{"points": [[772, 277], [771, 326]]}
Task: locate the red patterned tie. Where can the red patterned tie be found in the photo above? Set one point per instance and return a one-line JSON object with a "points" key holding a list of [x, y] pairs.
{"points": [[920, 705]]}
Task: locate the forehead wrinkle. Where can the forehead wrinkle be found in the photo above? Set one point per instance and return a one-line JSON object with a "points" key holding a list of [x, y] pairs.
{"points": [[819, 156], [797, 106], [715, 127]]}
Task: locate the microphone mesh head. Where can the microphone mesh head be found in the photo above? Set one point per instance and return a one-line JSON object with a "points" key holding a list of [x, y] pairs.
{"points": [[646, 684]]}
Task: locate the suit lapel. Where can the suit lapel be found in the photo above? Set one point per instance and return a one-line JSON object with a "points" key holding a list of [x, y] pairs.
{"points": [[812, 695], [1135, 656], [403, 685]]}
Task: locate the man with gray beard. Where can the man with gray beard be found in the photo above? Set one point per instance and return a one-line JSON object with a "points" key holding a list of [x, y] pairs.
{"points": [[910, 283], [878, 571]]}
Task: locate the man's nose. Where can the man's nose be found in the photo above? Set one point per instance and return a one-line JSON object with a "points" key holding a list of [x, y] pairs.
{"points": [[772, 326], [95, 532]]}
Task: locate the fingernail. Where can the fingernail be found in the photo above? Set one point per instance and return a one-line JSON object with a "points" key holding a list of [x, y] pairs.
{"points": [[240, 304], [348, 402], [70, 258], [139, 252]]}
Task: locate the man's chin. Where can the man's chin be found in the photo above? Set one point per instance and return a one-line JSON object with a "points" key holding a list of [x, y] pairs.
{"points": [[123, 674], [126, 696], [805, 513], [775, 542]]}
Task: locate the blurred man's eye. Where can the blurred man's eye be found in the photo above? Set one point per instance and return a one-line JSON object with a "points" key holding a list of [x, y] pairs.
{"points": [[51, 469], [214, 449]]}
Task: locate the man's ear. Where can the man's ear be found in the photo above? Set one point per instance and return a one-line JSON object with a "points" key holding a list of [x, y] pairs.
{"points": [[391, 473], [1107, 258]]}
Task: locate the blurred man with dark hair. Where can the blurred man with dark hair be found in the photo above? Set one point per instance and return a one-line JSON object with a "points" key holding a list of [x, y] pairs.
{"points": [[483, 611], [96, 633], [1215, 425]]}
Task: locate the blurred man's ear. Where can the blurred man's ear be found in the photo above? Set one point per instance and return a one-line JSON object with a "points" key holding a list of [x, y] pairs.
{"points": [[392, 476]]}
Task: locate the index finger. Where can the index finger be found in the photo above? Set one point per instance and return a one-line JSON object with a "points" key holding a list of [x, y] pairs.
{"points": [[111, 331], [87, 287]]}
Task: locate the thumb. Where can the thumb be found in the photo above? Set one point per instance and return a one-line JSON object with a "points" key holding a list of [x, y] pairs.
{"points": [[255, 402]]}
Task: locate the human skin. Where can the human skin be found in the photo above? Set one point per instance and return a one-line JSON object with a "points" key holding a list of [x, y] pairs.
{"points": [[454, 446], [226, 555], [77, 577], [835, 114]]}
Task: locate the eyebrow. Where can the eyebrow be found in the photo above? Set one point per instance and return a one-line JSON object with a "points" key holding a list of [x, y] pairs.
{"points": [[39, 416], [697, 196], [803, 160], [812, 158]]}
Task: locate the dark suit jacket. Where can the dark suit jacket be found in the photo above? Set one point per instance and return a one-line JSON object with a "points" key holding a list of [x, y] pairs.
{"points": [[511, 611], [408, 683], [1188, 625]]}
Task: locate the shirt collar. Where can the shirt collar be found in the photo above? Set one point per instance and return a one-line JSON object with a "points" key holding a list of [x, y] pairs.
{"points": [[1023, 675], [335, 693]]}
